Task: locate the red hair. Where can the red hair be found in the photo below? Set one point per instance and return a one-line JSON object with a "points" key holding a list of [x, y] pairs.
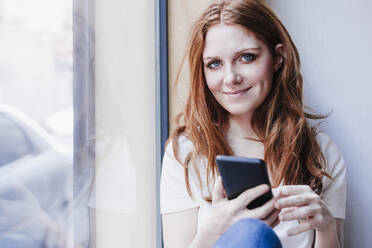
{"points": [[291, 150]]}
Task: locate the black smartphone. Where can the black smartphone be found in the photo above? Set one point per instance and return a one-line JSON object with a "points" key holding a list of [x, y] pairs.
{"points": [[240, 173]]}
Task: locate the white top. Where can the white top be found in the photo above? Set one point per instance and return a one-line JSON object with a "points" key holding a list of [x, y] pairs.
{"points": [[174, 196]]}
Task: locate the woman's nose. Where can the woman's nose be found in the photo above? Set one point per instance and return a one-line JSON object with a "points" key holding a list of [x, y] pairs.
{"points": [[232, 76]]}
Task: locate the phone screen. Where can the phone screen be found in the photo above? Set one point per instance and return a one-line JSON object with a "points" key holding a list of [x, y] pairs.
{"points": [[240, 173]]}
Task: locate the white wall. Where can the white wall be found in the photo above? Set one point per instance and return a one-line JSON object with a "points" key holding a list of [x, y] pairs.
{"points": [[334, 38]]}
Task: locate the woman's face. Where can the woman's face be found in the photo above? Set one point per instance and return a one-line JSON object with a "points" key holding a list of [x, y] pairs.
{"points": [[238, 68]]}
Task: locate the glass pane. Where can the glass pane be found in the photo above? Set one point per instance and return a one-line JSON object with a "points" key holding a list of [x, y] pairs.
{"points": [[36, 123], [14, 144]]}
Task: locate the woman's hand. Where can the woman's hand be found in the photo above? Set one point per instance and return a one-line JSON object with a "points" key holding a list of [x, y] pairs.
{"points": [[300, 202], [226, 212]]}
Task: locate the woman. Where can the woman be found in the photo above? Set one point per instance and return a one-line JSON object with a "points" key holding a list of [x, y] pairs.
{"points": [[246, 100]]}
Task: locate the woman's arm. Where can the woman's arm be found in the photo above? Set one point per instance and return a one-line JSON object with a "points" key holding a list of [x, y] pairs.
{"points": [[332, 236], [179, 228], [180, 231]]}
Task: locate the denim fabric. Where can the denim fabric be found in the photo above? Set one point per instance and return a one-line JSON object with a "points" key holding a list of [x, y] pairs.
{"points": [[249, 233]]}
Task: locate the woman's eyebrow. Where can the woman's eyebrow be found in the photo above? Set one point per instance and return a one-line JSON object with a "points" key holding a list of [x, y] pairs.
{"points": [[248, 49], [210, 57], [238, 52]]}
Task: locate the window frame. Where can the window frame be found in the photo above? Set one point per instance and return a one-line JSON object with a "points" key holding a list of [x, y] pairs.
{"points": [[162, 109], [84, 114]]}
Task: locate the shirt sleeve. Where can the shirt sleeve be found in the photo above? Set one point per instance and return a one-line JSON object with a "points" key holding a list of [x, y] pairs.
{"points": [[334, 190], [174, 196]]}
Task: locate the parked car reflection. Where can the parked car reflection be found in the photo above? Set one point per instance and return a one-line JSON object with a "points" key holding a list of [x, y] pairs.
{"points": [[35, 182]]}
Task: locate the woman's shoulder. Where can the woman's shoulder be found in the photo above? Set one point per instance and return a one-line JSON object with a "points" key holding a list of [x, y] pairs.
{"points": [[334, 190], [177, 160], [173, 191], [184, 147], [327, 146], [323, 139], [335, 163]]}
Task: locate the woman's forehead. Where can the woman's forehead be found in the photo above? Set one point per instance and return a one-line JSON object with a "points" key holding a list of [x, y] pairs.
{"points": [[226, 38]]}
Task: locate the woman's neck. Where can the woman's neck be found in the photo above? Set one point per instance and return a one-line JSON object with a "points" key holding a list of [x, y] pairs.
{"points": [[240, 127]]}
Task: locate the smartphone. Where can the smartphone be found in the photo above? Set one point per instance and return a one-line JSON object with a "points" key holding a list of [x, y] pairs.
{"points": [[240, 173]]}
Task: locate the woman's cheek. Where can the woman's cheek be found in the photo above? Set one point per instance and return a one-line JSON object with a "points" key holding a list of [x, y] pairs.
{"points": [[213, 81], [259, 73]]}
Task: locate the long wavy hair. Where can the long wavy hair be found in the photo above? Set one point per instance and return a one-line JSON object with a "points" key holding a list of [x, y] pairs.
{"points": [[291, 150]]}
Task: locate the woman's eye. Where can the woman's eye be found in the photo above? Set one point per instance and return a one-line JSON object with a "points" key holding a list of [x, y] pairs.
{"points": [[214, 64], [248, 57]]}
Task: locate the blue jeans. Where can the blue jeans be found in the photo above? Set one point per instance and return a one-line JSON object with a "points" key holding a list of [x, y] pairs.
{"points": [[249, 233]]}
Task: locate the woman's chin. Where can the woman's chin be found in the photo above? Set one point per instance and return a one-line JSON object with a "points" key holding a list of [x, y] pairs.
{"points": [[244, 112]]}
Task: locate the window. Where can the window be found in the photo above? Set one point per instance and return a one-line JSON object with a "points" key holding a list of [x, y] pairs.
{"points": [[36, 124], [14, 144]]}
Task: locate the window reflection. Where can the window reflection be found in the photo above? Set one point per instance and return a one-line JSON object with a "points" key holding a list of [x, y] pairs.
{"points": [[115, 182], [14, 143], [35, 155]]}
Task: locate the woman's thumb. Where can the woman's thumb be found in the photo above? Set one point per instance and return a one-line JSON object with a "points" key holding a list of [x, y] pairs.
{"points": [[218, 193]]}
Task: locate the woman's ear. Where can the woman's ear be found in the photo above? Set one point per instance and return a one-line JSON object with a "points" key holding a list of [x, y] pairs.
{"points": [[279, 56]]}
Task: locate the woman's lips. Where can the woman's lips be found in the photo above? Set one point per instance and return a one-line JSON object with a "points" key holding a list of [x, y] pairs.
{"points": [[237, 92]]}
